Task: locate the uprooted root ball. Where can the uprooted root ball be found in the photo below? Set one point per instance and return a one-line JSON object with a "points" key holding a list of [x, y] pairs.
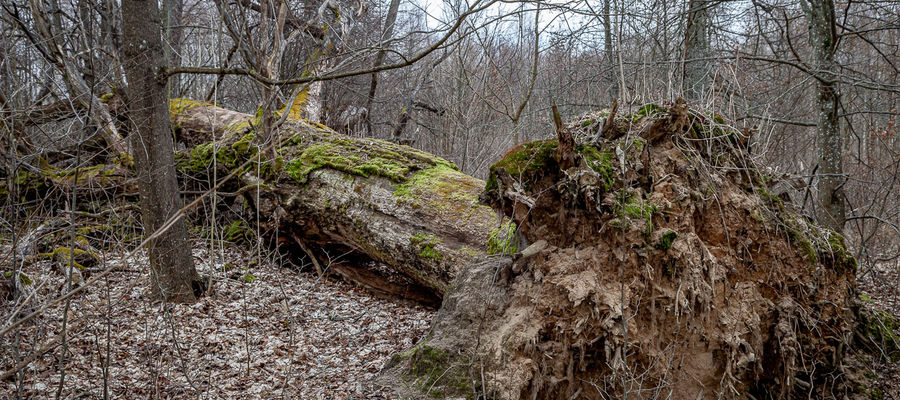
{"points": [[667, 275]]}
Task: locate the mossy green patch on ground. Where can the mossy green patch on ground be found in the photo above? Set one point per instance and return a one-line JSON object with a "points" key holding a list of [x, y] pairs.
{"points": [[25, 279], [770, 197], [236, 231], [100, 174], [433, 372], [881, 331], [93, 230], [503, 240], [427, 245], [28, 184]]}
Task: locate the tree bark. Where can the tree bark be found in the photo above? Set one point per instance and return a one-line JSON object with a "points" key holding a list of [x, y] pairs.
{"points": [[609, 52], [823, 39], [392, 218], [697, 49], [171, 263]]}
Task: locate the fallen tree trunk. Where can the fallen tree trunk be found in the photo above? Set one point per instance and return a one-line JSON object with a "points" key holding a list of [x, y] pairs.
{"points": [[350, 203]]}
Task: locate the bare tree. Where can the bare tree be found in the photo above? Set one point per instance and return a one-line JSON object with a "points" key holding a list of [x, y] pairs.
{"points": [[697, 48], [386, 34], [823, 39], [170, 257]]}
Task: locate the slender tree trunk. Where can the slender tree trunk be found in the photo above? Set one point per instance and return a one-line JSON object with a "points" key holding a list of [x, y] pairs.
{"points": [[386, 34], [403, 119], [697, 49], [608, 51], [171, 263], [823, 39], [174, 10]]}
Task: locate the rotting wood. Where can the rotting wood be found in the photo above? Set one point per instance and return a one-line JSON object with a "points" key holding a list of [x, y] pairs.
{"points": [[373, 200]]}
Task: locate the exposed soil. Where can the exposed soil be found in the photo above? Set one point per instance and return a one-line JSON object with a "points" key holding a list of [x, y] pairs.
{"points": [[663, 268]]}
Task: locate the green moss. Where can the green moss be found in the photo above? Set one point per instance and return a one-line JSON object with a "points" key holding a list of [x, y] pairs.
{"points": [[650, 109], [180, 105], [435, 374], [646, 110], [467, 251], [442, 189], [200, 158], [102, 174], [427, 245], [236, 231], [807, 247], [423, 180], [93, 229], [242, 146], [503, 240], [836, 254], [880, 331], [770, 197], [25, 279], [620, 223], [797, 233], [270, 170], [125, 160], [665, 242], [524, 159], [351, 156], [635, 208], [638, 145], [601, 162], [818, 244], [81, 259]]}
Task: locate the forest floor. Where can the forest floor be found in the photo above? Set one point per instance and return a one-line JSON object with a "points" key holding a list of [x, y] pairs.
{"points": [[266, 332], [879, 289]]}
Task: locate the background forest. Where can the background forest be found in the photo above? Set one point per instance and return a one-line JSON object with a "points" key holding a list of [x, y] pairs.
{"points": [[815, 84]]}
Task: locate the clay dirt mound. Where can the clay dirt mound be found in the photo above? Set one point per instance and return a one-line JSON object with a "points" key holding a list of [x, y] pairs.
{"points": [[659, 265]]}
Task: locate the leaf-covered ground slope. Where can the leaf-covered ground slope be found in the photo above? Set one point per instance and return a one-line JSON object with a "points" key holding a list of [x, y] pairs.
{"points": [[267, 332]]}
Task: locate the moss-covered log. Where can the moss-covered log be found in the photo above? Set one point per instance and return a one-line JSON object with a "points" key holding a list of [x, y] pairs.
{"points": [[348, 201]]}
